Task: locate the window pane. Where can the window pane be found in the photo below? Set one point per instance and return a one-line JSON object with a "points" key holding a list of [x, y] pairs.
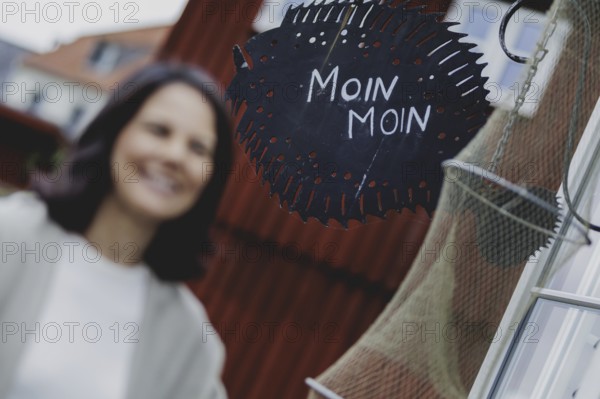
{"points": [[511, 74], [476, 25], [551, 354], [528, 38]]}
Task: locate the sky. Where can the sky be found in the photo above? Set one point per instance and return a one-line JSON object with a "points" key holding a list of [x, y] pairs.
{"points": [[40, 25]]}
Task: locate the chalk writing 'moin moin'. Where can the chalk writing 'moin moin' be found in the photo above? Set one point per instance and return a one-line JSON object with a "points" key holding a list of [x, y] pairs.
{"points": [[390, 121]]}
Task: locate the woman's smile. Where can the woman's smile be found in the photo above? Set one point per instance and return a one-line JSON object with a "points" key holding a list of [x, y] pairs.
{"points": [[160, 182]]}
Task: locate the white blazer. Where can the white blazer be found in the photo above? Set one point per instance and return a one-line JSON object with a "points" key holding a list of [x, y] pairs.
{"points": [[178, 355]]}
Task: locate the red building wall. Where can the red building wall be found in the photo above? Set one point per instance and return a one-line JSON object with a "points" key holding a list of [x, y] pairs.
{"points": [[21, 138], [287, 297]]}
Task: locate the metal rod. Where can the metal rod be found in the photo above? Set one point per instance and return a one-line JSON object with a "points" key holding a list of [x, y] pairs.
{"points": [[567, 297], [322, 390]]}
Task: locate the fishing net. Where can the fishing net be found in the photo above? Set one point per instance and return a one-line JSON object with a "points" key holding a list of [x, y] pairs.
{"points": [[498, 206]]}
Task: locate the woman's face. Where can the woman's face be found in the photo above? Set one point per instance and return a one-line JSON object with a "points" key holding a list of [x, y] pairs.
{"points": [[162, 159]]}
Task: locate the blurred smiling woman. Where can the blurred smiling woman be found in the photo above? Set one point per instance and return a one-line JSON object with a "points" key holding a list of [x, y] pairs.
{"points": [[100, 310]]}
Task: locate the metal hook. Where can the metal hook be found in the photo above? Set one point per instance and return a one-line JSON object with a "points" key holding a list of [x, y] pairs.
{"points": [[509, 13]]}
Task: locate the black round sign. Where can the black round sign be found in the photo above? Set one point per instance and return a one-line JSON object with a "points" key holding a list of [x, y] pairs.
{"points": [[349, 109]]}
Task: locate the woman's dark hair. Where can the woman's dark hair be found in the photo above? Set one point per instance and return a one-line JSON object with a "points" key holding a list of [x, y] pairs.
{"points": [[174, 254]]}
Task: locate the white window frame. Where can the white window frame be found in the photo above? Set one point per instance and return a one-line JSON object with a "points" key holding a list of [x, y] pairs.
{"points": [[527, 290]]}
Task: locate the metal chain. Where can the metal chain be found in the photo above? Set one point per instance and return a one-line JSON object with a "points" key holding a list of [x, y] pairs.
{"points": [[539, 55]]}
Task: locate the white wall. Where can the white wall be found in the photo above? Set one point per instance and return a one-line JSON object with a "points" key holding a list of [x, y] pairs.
{"points": [[59, 98]]}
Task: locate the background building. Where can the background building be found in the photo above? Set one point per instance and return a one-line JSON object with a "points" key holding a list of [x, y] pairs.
{"points": [[69, 85]]}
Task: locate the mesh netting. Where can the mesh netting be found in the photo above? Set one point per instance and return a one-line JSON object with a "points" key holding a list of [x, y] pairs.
{"points": [[431, 339]]}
